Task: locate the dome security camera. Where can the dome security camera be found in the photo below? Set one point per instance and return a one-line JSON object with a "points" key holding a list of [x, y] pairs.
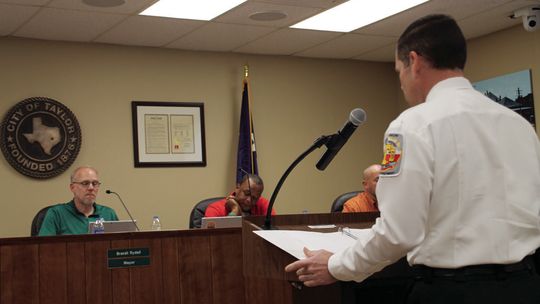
{"points": [[530, 16]]}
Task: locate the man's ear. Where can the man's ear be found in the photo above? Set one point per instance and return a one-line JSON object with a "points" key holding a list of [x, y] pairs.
{"points": [[414, 62]]}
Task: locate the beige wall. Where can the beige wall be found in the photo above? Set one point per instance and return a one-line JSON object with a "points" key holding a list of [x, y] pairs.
{"points": [[506, 52], [295, 101]]}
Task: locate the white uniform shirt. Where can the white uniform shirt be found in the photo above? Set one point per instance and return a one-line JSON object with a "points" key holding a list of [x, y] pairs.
{"points": [[467, 190]]}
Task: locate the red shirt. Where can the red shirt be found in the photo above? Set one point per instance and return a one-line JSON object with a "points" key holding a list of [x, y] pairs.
{"points": [[218, 208]]}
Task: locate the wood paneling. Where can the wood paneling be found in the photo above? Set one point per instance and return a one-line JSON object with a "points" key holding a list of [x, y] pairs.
{"points": [[227, 274], [121, 277], [187, 266], [19, 274], [73, 269], [53, 274], [171, 272]]}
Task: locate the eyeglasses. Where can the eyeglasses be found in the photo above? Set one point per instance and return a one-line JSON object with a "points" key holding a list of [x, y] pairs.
{"points": [[87, 183]]}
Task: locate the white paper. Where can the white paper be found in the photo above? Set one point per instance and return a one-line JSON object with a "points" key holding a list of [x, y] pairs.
{"points": [[322, 226], [294, 241]]}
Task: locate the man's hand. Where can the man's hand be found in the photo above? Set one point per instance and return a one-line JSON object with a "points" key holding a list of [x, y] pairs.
{"points": [[231, 205], [313, 270]]}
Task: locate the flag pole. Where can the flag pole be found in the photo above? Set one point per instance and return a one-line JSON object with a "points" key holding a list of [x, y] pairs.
{"points": [[246, 82], [246, 72]]}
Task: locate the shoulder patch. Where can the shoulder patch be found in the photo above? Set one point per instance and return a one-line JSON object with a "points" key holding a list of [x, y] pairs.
{"points": [[393, 153]]}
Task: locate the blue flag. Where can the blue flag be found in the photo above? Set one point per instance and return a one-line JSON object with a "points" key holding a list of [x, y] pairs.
{"points": [[247, 156]]}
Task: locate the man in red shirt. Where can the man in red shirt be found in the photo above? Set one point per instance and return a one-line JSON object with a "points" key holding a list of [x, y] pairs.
{"points": [[246, 199]]}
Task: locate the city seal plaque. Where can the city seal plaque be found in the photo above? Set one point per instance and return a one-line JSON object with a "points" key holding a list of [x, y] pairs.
{"points": [[40, 137]]}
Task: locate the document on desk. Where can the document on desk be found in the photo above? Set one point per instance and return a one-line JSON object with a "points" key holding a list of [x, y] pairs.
{"points": [[294, 241]]}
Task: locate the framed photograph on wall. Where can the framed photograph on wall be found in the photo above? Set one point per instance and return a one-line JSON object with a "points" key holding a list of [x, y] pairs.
{"points": [[512, 90], [168, 134]]}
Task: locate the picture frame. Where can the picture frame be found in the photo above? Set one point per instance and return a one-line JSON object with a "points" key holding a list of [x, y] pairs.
{"points": [[512, 90], [168, 134]]}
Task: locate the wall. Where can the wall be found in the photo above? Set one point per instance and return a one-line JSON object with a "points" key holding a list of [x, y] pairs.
{"points": [[506, 52], [295, 101]]}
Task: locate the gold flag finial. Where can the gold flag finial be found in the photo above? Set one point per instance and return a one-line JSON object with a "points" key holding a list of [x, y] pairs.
{"points": [[246, 71]]}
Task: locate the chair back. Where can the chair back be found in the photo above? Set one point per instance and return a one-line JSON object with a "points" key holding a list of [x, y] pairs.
{"points": [[197, 213], [38, 220], [337, 205]]}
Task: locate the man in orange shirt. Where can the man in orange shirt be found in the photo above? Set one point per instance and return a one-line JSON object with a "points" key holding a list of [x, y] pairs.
{"points": [[365, 201]]}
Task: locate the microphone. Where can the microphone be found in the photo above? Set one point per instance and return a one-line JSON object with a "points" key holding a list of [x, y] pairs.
{"points": [[357, 117], [333, 143], [131, 217]]}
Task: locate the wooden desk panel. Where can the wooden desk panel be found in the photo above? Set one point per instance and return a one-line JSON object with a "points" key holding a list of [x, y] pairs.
{"points": [[188, 266]]}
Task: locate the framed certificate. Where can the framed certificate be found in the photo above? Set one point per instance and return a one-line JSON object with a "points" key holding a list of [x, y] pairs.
{"points": [[168, 134]]}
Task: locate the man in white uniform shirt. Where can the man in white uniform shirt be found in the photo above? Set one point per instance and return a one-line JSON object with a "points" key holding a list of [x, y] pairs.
{"points": [[459, 190]]}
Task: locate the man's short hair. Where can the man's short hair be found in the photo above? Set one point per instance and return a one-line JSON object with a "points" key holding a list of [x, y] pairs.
{"points": [[253, 177], [74, 172], [438, 39]]}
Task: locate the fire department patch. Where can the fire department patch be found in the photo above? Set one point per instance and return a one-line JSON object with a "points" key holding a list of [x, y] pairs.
{"points": [[393, 153], [40, 137]]}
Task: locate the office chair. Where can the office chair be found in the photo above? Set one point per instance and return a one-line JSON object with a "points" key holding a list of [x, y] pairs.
{"points": [[197, 213], [337, 205], [38, 220]]}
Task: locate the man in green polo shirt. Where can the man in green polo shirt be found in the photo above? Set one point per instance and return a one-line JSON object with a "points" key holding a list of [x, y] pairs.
{"points": [[73, 217]]}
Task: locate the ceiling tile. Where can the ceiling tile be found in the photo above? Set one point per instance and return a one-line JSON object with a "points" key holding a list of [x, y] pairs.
{"points": [[148, 31], [394, 25], [347, 46], [383, 54], [13, 16], [72, 20], [220, 37], [241, 14], [492, 20], [57, 24], [26, 2], [307, 3], [286, 42], [129, 6]]}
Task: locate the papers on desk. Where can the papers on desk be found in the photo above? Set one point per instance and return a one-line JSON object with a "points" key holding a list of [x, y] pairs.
{"points": [[294, 241]]}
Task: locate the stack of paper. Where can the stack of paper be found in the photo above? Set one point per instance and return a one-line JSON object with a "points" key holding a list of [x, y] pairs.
{"points": [[294, 241]]}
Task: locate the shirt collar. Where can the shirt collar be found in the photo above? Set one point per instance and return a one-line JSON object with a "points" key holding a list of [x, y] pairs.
{"points": [[94, 214], [452, 83]]}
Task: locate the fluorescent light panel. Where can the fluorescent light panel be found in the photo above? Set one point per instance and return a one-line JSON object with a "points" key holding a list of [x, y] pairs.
{"points": [[355, 14], [192, 9]]}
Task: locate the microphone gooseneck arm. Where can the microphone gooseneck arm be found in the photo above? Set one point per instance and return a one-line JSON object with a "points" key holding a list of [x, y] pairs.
{"points": [[127, 210], [323, 140]]}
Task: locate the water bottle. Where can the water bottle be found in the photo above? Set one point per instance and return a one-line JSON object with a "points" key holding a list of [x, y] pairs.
{"points": [[156, 224], [98, 226]]}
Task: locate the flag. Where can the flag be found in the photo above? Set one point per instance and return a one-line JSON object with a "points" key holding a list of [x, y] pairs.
{"points": [[247, 155]]}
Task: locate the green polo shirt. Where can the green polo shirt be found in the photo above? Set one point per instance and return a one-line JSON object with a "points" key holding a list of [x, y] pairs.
{"points": [[66, 219]]}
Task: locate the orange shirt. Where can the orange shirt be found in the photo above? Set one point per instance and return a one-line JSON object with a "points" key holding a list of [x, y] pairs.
{"points": [[363, 202]]}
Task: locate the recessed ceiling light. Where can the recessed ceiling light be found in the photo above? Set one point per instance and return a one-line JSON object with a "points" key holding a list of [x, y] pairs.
{"points": [[355, 14], [268, 16], [194, 9], [104, 3]]}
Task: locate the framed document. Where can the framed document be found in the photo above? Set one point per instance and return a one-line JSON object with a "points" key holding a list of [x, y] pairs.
{"points": [[168, 134]]}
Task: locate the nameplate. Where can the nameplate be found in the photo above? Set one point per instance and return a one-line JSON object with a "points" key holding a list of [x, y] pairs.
{"points": [[128, 253], [128, 257], [128, 262]]}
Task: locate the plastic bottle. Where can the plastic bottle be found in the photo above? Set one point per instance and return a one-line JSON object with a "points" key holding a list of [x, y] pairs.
{"points": [[156, 224], [98, 226]]}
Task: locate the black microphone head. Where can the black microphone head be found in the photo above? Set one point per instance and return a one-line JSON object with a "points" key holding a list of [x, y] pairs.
{"points": [[357, 116], [108, 191]]}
